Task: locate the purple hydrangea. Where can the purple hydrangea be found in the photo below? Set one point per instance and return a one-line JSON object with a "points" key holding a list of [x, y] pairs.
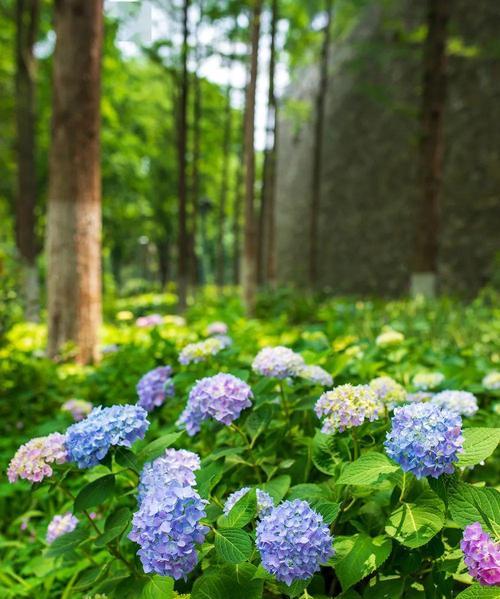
{"points": [[293, 541], [419, 396], [315, 374], [225, 340], [60, 525], [425, 439], [33, 460], [347, 406], [264, 500], [201, 351], [278, 362], [217, 328], [482, 555], [78, 408], [167, 528], [151, 320], [221, 397], [174, 464], [89, 441], [154, 387], [461, 402]]}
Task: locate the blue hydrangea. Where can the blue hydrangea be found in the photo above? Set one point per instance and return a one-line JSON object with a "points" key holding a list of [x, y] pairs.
{"points": [[167, 528], [461, 402], [293, 541], [425, 439], [89, 440], [264, 500], [154, 387], [279, 362], [221, 397]]}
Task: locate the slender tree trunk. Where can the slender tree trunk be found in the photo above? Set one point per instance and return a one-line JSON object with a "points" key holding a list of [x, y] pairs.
{"points": [[224, 190], [238, 204], [183, 239], [74, 206], [27, 18], [318, 150], [431, 148], [267, 194], [250, 238]]}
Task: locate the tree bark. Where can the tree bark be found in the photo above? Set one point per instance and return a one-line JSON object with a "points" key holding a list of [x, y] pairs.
{"points": [[27, 20], [318, 149], [431, 148], [250, 237], [226, 144], [74, 206]]}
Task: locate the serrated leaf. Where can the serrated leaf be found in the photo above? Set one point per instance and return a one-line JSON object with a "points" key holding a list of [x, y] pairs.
{"points": [[477, 591], [207, 477], [468, 504], [157, 447], [324, 455], [367, 470], [95, 493], [328, 509], [67, 542], [242, 511], [158, 587], [277, 487], [228, 582], [479, 444], [233, 545]]}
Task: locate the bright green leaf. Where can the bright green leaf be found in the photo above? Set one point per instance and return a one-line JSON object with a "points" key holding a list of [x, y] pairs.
{"points": [[479, 444], [233, 545], [367, 470], [242, 511], [158, 587], [95, 493], [157, 447]]}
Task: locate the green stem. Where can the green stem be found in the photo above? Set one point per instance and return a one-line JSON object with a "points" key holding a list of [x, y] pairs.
{"points": [[403, 488], [355, 444], [284, 397]]}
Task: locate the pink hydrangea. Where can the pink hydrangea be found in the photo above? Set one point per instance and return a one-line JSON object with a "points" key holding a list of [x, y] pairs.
{"points": [[33, 459]]}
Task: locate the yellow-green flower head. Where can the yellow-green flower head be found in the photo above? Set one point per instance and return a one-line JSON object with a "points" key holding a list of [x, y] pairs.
{"points": [[492, 381], [201, 351], [428, 380], [124, 315], [388, 338], [388, 391]]}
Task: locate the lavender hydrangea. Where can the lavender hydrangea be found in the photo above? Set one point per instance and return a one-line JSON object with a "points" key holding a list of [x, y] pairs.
{"points": [[315, 374], [167, 528], [174, 464], [264, 500], [217, 328], [347, 406], [428, 380], [419, 396], [461, 402], [33, 460], [224, 339], [492, 381], [221, 397], [201, 351], [78, 408], [89, 441], [293, 541], [60, 525], [278, 362], [482, 555], [150, 320], [425, 439], [388, 391], [154, 387]]}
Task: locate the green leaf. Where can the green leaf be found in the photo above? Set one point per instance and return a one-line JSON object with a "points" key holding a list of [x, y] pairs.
{"points": [[392, 588], [414, 524], [127, 458], [367, 470], [324, 455], [328, 509], [277, 487], [158, 587], [120, 517], [233, 545], [479, 444], [108, 536], [207, 477], [358, 556], [469, 504], [157, 447], [95, 493], [308, 492], [477, 591], [67, 542], [229, 582], [242, 511]]}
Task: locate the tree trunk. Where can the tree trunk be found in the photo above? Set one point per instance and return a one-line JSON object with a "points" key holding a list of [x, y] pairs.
{"points": [[250, 239], [223, 191], [183, 240], [27, 19], [74, 206], [431, 148], [318, 149], [238, 204]]}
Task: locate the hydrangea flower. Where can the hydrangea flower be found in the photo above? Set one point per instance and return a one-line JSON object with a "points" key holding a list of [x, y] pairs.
{"points": [[492, 381], [224, 339], [388, 391], [33, 459], [347, 406], [221, 397], [154, 387], [60, 525], [217, 328], [315, 374], [428, 380], [462, 402], [264, 500], [425, 439], [201, 351], [78, 408], [174, 464], [167, 528], [293, 541], [89, 441], [110, 348], [482, 555], [278, 362], [176, 320], [388, 338], [151, 320], [419, 396]]}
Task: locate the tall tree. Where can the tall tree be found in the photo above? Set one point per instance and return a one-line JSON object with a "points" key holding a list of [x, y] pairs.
{"points": [[237, 206], [431, 148], [27, 20], [318, 148], [74, 210], [249, 279]]}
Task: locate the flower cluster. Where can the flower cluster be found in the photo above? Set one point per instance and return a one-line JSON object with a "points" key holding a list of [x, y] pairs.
{"points": [[315, 374], [60, 524], [264, 500], [78, 408], [388, 338], [419, 396], [347, 406], [482, 555], [425, 439], [293, 541], [217, 328], [222, 397], [33, 459], [278, 362], [154, 387], [201, 351], [461, 402], [224, 339], [492, 381], [388, 391], [89, 441], [151, 320], [428, 380]]}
